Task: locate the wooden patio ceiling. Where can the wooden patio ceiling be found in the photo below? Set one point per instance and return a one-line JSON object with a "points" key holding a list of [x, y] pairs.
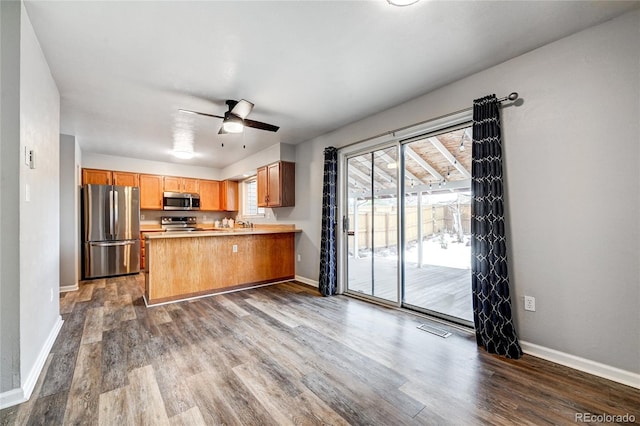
{"points": [[433, 164]]}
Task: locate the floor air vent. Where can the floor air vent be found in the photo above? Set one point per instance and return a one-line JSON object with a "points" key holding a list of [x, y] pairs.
{"points": [[434, 330]]}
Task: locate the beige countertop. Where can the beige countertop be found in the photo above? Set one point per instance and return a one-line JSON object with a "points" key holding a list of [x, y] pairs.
{"points": [[219, 232]]}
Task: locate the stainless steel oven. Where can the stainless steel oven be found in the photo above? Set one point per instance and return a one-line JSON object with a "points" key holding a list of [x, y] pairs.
{"points": [[180, 201]]}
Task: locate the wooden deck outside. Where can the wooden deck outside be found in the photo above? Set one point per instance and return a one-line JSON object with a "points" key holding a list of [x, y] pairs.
{"points": [[437, 288]]}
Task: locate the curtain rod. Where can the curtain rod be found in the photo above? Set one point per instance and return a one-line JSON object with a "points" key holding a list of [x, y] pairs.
{"points": [[511, 97]]}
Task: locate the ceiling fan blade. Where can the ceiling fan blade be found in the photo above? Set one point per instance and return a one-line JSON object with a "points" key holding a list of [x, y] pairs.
{"points": [[242, 108], [260, 125], [200, 113]]}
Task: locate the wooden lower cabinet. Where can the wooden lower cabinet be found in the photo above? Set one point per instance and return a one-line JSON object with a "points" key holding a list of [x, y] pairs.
{"points": [[143, 249], [178, 268]]}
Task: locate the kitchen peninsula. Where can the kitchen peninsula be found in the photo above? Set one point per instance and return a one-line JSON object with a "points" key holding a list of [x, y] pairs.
{"points": [[181, 265]]}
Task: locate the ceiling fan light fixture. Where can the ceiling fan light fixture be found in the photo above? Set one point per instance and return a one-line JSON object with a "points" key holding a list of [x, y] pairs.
{"points": [[232, 124]]}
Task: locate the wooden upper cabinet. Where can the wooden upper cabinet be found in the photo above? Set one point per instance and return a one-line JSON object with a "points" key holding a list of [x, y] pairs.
{"points": [[229, 195], [97, 177], [125, 179], [151, 188], [276, 185], [210, 195], [179, 184], [172, 184], [108, 177], [191, 185], [262, 183]]}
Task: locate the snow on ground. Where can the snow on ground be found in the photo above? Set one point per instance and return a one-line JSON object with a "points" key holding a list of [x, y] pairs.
{"points": [[456, 255]]}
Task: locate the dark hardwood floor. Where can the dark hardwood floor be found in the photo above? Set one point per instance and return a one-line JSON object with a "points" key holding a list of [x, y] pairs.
{"points": [[284, 355]]}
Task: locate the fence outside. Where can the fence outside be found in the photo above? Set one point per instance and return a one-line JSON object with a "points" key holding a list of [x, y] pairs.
{"points": [[436, 219]]}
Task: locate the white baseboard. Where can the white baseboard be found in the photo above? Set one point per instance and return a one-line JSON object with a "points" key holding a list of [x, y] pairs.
{"points": [[68, 288], [306, 281], [11, 398], [592, 367], [23, 393]]}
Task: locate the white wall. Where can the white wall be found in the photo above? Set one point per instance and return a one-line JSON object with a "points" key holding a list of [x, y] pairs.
{"points": [[275, 152], [69, 212], [249, 165], [126, 164], [30, 206], [39, 217], [9, 196], [571, 155]]}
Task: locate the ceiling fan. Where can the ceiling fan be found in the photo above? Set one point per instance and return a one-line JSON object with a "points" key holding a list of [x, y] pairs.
{"points": [[235, 119]]}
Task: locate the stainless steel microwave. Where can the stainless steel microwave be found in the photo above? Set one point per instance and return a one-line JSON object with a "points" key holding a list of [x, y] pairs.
{"points": [[180, 201]]}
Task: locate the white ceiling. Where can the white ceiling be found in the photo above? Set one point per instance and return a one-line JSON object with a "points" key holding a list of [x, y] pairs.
{"points": [[125, 68]]}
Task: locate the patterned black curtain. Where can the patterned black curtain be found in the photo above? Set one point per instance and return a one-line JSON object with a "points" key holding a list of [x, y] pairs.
{"points": [[490, 280], [328, 282]]}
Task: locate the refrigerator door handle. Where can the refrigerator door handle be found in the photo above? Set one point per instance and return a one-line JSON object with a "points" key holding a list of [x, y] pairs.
{"points": [[111, 244], [110, 230], [115, 214]]}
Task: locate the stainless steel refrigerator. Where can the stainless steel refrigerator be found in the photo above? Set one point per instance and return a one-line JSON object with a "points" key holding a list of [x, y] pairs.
{"points": [[111, 230]]}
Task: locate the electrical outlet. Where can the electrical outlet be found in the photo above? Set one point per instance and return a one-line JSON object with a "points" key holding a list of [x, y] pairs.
{"points": [[299, 258], [235, 248], [141, 217], [530, 303], [51, 295]]}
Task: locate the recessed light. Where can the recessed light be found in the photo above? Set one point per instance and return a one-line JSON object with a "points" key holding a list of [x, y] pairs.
{"points": [[184, 155], [402, 2]]}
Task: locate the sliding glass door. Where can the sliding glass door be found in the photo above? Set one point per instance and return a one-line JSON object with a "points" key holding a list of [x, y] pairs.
{"points": [[413, 252], [437, 224], [372, 217]]}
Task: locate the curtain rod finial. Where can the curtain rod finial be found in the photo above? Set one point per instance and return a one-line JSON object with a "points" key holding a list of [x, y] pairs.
{"points": [[513, 96]]}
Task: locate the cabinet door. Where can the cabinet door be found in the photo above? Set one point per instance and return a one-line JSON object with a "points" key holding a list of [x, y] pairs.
{"points": [[172, 184], [210, 195], [262, 183], [96, 177], [273, 187], [151, 187], [229, 194], [287, 184], [125, 179], [190, 185]]}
